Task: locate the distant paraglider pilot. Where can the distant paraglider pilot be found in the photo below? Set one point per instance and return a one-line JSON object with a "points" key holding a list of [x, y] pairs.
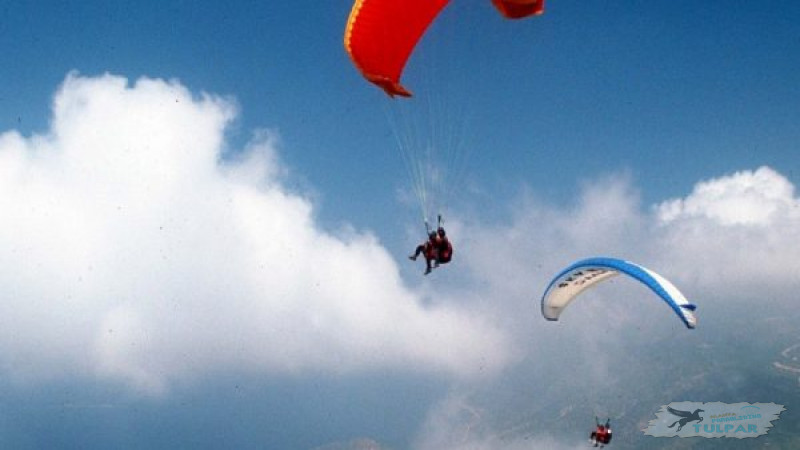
{"points": [[602, 434], [437, 250]]}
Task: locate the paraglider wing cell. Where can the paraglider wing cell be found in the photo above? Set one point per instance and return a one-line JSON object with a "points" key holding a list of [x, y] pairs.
{"points": [[582, 275]]}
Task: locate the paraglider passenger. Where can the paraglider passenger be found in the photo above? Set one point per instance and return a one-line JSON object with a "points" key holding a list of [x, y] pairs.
{"points": [[429, 249]]}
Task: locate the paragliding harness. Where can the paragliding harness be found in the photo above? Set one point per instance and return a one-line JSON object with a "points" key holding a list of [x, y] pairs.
{"points": [[602, 434]]}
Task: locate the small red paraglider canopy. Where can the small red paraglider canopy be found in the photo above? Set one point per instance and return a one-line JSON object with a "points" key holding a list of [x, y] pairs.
{"points": [[518, 9]]}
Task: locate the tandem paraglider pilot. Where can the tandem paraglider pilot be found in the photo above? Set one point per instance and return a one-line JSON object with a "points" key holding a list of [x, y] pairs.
{"points": [[437, 250], [602, 434]]}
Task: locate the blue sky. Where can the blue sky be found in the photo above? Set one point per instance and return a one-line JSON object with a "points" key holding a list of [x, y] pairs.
{"points": [[634, 85], [206, 220]]}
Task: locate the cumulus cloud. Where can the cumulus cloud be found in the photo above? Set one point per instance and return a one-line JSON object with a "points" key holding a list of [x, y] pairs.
{"points": [[755, 198], [131, 251], [739, 233]]}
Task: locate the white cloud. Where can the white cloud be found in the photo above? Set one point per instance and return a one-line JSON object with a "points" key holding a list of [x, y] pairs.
{"points": [[738, 233], [755, 198], [129, 251]]}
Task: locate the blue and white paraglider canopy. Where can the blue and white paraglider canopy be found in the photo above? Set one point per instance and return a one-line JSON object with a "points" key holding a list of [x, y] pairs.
{"points": [[584, 274]]}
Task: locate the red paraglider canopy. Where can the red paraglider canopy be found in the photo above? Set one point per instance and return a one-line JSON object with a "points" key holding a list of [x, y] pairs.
{"points": [[381, 34]]}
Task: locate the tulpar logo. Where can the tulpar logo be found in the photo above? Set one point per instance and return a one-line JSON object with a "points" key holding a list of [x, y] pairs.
{"points": [[714, 420]]}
